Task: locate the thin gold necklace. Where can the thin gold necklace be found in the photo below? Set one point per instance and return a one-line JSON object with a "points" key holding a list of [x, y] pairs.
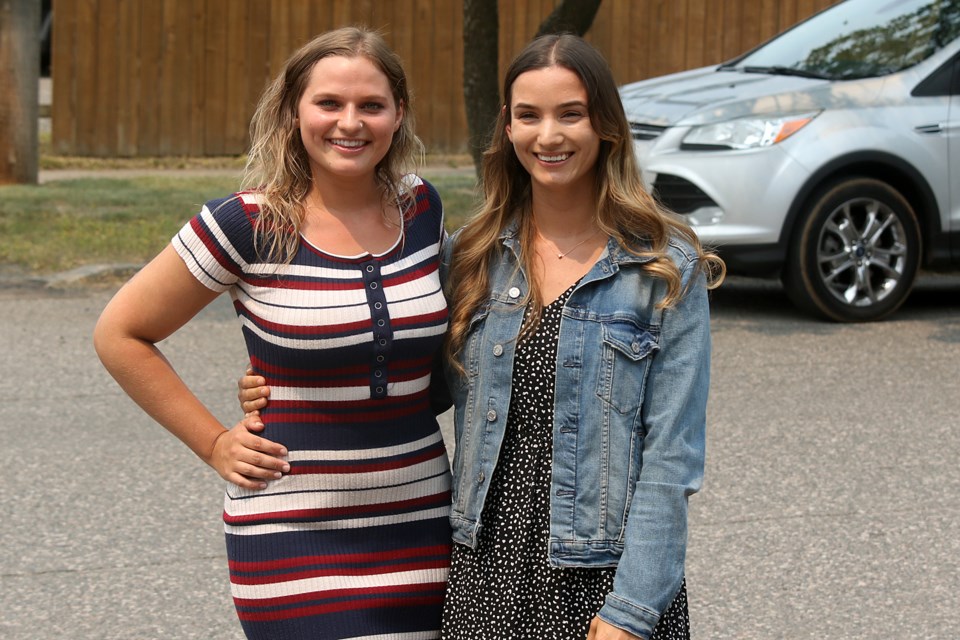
{"points": [[562, 254]]}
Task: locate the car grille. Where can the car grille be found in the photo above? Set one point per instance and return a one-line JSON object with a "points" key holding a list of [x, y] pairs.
{"points": [[680, 195], [642, 131]]}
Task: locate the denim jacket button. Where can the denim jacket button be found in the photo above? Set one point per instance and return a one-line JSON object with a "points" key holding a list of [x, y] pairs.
{"points": [[481, 478], [514, 292], [636, 347], [491, 415], [498, 350]]}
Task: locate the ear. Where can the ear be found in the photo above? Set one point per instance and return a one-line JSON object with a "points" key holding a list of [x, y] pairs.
{"points": [[399, 118], [503, 114]]}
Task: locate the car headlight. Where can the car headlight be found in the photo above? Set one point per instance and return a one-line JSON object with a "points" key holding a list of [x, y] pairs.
{"points": [[746, 133]]}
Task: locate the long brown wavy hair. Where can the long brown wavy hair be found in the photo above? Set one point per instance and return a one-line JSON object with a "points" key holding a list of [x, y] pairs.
{"points": [[624, 210], [278, 167]]}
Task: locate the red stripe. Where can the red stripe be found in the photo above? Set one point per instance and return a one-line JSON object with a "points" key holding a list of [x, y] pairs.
{"points": [[289, 417], [381, 465], [214, 247], [379, 556], [341, 328], [354, 510], [425, 268], [351, 572], [339, 606], [437, 317]]}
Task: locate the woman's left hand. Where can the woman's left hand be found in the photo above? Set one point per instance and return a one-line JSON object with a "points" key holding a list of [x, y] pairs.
{"points": [[600, 630]]}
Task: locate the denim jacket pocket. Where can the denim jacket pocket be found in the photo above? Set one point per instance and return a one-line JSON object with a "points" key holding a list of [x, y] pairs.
{"points": [[627, 347]]}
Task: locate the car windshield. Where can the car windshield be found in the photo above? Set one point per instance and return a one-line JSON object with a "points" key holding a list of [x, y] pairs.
{"points": [[858, 39]]}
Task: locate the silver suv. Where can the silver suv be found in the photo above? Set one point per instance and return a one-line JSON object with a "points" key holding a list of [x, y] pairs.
{"points": [[829, 156]]}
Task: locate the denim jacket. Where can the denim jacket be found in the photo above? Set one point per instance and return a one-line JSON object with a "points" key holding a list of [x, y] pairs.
{"points": [[629, 421]]}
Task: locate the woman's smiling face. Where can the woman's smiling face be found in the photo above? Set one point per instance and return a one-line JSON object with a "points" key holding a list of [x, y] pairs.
{"points": [[550, 128], [347, 117]]}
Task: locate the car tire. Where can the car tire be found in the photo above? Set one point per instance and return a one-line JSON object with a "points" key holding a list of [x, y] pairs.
{"points": [[856, 252]]}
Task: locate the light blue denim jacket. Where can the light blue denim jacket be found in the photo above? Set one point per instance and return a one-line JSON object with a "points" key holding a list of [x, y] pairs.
{"points": [[629, 421]]}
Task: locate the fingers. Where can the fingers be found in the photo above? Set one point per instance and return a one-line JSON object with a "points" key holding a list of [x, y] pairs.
{"points": [[248, 459], [252, 393]]}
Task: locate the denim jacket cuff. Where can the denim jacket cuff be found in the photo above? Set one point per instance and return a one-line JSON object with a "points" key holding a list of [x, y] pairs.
{"points": [[627, 616]]}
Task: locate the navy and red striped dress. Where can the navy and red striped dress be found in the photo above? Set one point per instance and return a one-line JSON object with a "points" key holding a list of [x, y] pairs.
{"points": [[354, 542]]}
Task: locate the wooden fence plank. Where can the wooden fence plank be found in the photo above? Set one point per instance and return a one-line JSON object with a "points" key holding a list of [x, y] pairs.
{"points": [[439, 132], [63, 69], [258, 59], [85, 56], [128, 79], [104, 140], [151, 95], [198, 80], [215, 71]]}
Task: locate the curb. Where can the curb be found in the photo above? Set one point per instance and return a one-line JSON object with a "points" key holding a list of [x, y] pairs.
{"points": [[16, 278]]}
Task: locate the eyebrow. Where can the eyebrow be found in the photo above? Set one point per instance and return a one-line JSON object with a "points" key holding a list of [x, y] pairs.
{"points": [[564, 105], [339, 96]]}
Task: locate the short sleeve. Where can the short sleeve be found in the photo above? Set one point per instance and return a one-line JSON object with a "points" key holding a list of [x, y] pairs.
{"points": [[217, 243]]}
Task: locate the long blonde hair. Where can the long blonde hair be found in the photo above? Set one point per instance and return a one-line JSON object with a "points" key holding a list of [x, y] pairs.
{"points": [[625, 210], [278, 167]]}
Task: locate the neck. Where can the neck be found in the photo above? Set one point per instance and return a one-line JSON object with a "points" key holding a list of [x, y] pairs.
{"points": [[350, 196], [563, 215]]}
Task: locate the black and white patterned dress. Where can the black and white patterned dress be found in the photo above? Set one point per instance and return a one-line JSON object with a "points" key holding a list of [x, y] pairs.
{"points": [[505, 588]]}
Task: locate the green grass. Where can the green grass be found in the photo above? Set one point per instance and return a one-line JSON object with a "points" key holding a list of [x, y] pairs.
{"points": [[65, 224]]}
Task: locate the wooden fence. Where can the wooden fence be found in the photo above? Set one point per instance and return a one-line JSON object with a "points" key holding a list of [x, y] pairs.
{"points": [[182, 77]]}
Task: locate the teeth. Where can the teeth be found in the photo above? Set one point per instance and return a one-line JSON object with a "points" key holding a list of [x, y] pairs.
{"points": [[349, 143], [557, 158]]}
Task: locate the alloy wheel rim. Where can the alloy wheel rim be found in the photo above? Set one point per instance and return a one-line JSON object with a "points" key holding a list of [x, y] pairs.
{"points": [[862, 252]]}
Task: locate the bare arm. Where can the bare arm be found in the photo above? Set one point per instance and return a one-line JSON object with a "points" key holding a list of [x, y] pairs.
{"points": [[153, 305]]}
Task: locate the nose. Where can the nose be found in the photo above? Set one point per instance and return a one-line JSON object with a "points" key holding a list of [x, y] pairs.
{"points": [[550, 132], [350, 119]]}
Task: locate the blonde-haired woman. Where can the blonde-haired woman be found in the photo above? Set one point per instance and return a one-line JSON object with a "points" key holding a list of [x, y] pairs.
{"points": [[579, 348], [337, 503]]}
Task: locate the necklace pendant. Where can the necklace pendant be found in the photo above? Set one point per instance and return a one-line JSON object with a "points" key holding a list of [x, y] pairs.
{"points": [[559, 256]]}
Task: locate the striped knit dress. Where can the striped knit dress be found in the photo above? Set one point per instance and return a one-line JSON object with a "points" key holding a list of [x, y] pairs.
{"points": [[354, 541]]}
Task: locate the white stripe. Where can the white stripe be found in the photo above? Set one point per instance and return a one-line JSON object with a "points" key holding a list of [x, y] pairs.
{"points": [[272, 302], [328, 499], [420, 332], [346, 394], [336, 482], [333, 525], [328, 583], [364, 454], [350, 272], [309, 345], [336, 308]]}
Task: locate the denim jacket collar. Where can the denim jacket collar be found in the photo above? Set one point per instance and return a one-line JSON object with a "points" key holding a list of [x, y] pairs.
{"points": [[615, 253]]}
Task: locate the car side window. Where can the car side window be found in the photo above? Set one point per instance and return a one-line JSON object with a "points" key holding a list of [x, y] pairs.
{"points": [[945, 81]]}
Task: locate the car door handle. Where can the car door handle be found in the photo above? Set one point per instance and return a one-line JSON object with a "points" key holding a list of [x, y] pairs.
{"points": [[929, 128]]}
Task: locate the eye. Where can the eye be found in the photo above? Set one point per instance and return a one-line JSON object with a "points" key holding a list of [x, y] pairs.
{"points": [[525, 116], [373, 106], [327, 104], [573, 115]]}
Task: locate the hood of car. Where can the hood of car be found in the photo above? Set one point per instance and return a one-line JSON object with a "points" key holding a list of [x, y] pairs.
{"points": [[706, 95]]}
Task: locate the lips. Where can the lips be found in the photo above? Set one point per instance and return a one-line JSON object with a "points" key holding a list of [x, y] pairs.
{"points": [[349, 144], [557, 157]]}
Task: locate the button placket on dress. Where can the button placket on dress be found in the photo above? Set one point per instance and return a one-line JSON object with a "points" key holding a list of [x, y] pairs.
{"points": [[382, 331]]}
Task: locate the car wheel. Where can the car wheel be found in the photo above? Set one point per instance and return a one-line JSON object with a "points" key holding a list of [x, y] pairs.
{"points": [[856, 254]]}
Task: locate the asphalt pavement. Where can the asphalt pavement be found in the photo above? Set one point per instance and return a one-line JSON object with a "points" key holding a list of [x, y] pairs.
{"points": [[830, 507]]}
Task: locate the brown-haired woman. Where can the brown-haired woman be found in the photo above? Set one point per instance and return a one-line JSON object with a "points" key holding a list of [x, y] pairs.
{"points": [[579, 345]]}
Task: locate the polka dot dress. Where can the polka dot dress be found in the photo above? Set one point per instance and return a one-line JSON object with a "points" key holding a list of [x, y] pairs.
{"points": [[505, 587]]}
